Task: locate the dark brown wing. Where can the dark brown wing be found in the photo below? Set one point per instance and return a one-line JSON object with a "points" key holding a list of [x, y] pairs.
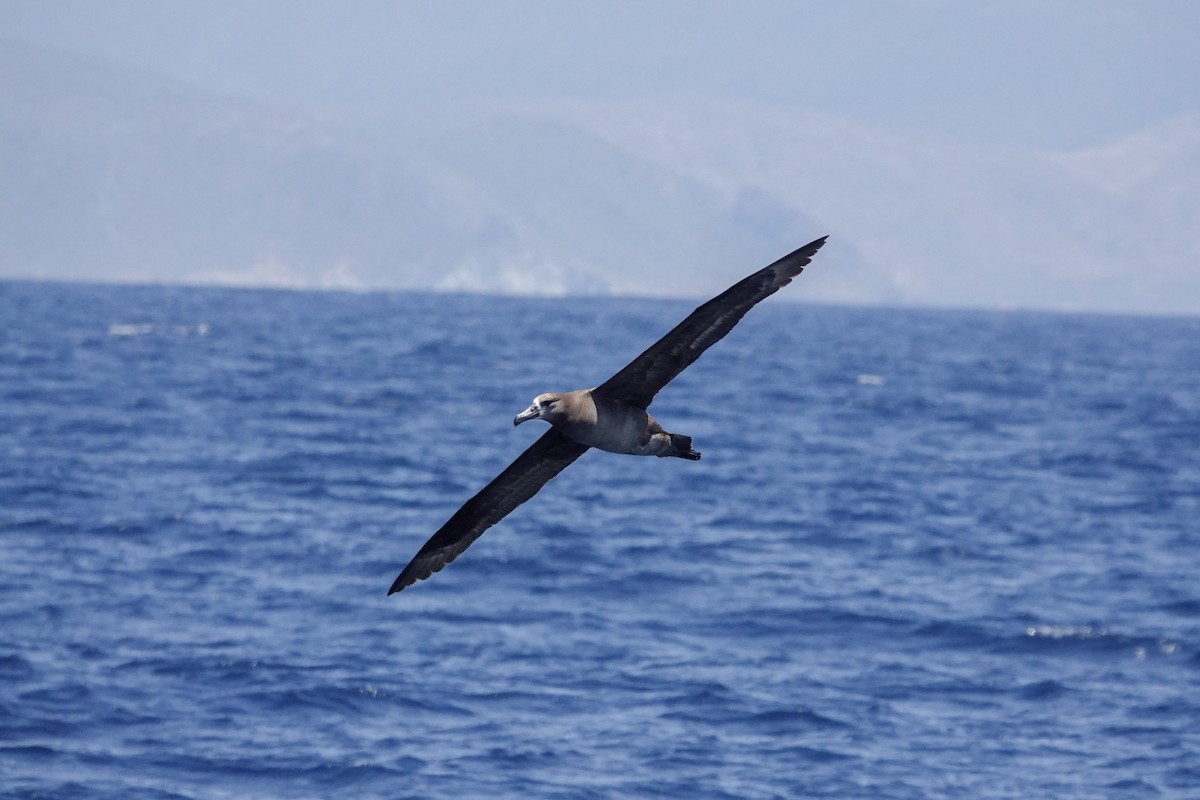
{"points": [[544, 459], [638, 382]]}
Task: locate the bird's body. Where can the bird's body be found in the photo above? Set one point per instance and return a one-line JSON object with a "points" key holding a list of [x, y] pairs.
{"points": [[611, 416], [607, 424]]}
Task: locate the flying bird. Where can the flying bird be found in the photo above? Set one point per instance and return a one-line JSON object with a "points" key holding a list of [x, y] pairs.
{"points": [[611, 416]]}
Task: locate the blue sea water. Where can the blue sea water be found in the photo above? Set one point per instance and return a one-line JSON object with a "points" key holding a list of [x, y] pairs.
{"points": [[926, 553]]}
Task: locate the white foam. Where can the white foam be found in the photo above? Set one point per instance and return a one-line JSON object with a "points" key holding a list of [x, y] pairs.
{"points": [[129, 330], [126, 329]]}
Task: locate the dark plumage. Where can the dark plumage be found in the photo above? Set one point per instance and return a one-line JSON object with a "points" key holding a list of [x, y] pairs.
{"points": [[610, 417]]}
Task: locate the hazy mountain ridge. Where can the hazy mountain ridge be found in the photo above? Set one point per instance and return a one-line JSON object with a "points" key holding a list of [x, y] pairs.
{"points": [[114, 173], [955, 223]]}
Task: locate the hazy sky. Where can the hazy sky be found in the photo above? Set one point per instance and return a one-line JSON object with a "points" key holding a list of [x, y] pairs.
{"points": [[1054, 73]]}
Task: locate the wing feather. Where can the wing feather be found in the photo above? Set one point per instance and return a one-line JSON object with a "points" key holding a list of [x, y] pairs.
{"points": [[544, 459], [639, 381]]}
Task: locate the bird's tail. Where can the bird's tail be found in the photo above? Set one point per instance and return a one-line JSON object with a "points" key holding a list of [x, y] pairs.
{"points": [[681, 447]]}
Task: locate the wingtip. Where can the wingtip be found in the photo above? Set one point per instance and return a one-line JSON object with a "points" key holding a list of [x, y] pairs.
{"points": [[421, 567], [404, 580], [794, 262]]}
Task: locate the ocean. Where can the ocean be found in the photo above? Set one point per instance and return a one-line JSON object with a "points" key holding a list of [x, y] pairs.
{"points": [[926, 554]]}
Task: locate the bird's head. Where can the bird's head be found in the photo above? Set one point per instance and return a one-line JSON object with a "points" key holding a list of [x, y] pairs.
{"points": [[545, 406]]}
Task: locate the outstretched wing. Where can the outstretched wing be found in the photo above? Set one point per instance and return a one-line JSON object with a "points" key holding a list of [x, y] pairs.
{"points": [[544, 459], [637, 383]]}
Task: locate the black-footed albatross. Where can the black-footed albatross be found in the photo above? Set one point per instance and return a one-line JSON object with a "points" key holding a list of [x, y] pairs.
{"points": [[611, 417]]}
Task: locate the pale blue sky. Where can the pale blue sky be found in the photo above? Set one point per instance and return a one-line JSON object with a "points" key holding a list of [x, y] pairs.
{"points": [[1052, 73]]}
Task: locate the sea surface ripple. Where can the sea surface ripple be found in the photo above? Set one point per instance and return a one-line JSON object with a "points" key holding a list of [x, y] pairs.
{"points": [[926, 554]]}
